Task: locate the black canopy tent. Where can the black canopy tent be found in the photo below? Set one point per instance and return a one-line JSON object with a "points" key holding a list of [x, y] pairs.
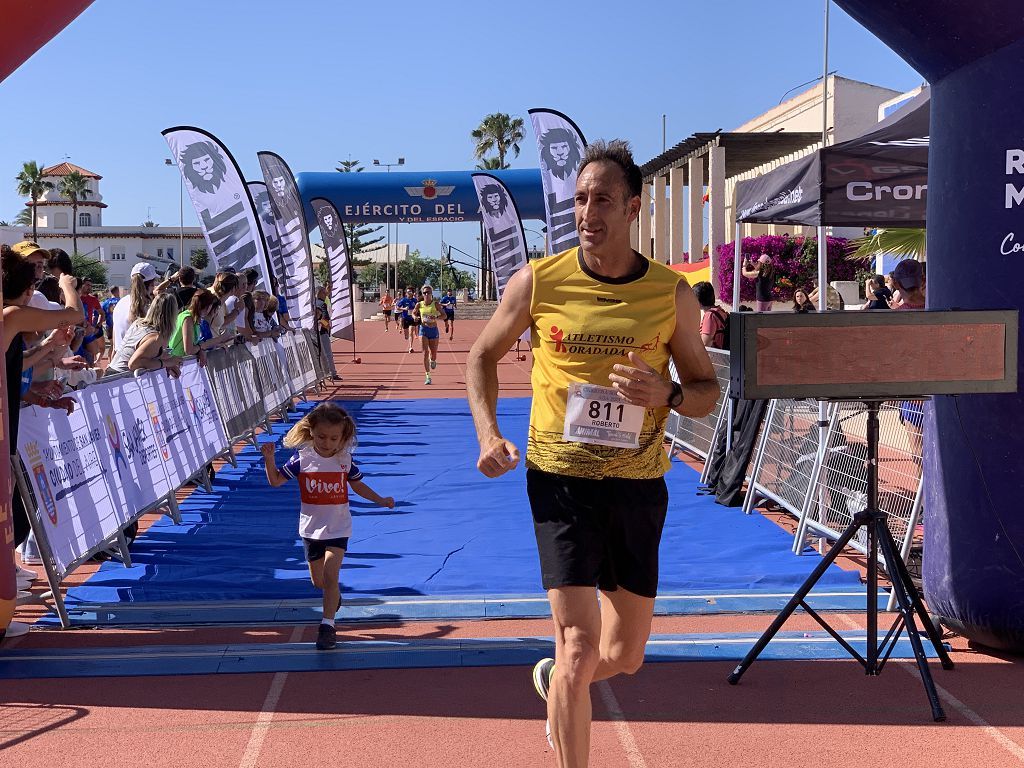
{"points": [[879, 178]]}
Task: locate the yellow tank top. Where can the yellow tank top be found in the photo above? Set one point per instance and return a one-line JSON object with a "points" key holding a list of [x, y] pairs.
{"points": [[583, 324], [428, 312]]}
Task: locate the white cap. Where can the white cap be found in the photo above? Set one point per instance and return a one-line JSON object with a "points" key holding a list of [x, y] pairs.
{"points": [[147, 270]]}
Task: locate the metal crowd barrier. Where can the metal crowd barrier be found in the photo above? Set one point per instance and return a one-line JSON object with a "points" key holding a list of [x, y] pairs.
{"points": [[141, 416], [696, 436]]}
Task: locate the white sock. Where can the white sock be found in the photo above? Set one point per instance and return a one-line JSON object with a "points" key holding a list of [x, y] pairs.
{"points": [[328, 622]]}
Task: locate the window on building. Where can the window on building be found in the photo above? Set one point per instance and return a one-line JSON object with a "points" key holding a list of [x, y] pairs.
{"points": [[85, 219], [159, 253], [60, 220], [117, 253], [170, 254]]}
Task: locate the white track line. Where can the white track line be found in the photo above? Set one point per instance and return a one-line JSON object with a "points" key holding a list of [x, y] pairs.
{"points": [[990, 730], [259, 731], [622, 729]]}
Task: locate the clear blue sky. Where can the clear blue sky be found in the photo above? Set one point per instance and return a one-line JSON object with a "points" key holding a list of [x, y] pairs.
{"points": [[318, 81]]}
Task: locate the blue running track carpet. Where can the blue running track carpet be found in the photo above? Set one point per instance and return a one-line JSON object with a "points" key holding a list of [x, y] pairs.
{"points": [[453, 534]]}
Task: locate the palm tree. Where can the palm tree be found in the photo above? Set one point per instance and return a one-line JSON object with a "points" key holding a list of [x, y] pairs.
{"points": [[490, 164], [898, 242], [24, 218], [31, 184], [74, 187], [499, 132]]}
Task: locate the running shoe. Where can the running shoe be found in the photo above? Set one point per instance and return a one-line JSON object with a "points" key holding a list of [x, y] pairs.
{"points": [[433, 364], [326, 637], [411, 349], [542, 672], [427, 379]]}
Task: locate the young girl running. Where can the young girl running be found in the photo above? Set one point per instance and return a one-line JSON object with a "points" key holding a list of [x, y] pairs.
{"points": [[325, 471]]}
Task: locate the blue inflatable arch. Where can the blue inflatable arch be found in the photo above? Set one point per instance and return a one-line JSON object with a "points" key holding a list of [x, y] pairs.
{"points": [[415, 198], [973, 56]]}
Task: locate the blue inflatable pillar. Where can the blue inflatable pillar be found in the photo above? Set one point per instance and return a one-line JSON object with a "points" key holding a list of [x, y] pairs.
{"points": [[973, 56]]}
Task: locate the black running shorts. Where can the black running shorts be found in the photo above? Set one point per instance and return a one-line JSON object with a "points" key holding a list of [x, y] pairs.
{"points": [[317, 548], [598, 533]]}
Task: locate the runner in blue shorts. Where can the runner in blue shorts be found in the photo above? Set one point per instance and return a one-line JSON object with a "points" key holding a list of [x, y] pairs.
{"points": [[428, 311], [448, 304]]}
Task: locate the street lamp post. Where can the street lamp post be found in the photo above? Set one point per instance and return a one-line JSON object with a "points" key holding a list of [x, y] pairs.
{"points": [[181, 215], [400, 161]]}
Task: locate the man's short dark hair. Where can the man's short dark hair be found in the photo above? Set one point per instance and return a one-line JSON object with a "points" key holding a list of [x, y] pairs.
{"points": [[186, 275], [616, 151], [705, 293]]}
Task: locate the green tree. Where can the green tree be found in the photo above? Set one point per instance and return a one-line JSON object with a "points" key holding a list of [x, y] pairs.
{"points": [[75, 187], [25, 219], [498, 132], [898, 242], [89, 269], [31, 184], [357, 236], [490, 164], [199, 259], [149, 224]]}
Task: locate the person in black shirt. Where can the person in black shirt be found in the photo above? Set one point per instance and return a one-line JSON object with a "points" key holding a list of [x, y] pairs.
{"points": [[187, 289], [878, 296]]}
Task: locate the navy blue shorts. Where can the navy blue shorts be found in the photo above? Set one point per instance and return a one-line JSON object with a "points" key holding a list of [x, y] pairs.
{"points": [[449, 314], [317, 548]]}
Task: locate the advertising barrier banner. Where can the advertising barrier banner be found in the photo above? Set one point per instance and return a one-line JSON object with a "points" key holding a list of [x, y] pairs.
{"points": [[69, 464], [272, 382], [227, 393], [207, 428], [119, 408]]}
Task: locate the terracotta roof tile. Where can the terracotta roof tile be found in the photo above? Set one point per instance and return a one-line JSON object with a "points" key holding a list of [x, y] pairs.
{"points": [[65, 168]]}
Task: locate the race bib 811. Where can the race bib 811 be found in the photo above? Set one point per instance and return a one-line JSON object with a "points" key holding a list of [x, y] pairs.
{"points": [[597, 415]]}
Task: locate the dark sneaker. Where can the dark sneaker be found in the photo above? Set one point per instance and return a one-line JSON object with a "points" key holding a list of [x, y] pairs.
{"points": [[326, 637], [542, 672]]}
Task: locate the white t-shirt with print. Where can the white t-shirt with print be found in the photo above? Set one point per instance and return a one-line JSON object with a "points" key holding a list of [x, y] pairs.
{"points": [[323, 490]]}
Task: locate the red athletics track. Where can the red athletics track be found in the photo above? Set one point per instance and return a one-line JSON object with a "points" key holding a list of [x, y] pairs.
{"points": [[784, 713]]}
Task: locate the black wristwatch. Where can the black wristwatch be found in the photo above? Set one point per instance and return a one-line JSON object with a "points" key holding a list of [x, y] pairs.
{"points": [[676, 398]]}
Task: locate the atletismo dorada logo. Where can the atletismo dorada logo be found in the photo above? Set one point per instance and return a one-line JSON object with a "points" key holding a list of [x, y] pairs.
{"points": [[581, 343], [42, 482]]}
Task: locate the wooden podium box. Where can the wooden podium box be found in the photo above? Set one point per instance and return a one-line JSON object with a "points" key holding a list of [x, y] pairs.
{"points": [[850, 355]]}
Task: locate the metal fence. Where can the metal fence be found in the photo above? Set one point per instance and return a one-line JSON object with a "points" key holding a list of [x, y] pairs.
{"points": [[696, 435]]}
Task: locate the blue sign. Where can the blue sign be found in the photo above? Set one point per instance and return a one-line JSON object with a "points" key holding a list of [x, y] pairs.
{"points": [[415, 198]]}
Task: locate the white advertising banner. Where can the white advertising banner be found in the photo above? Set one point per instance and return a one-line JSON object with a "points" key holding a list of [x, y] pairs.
{"points": [[272, 381], [291, 228], [265, 211], [119, 409], [69, 463], [207, 428], [502, 227], [221, 199], [560, 144], [332, 232]]}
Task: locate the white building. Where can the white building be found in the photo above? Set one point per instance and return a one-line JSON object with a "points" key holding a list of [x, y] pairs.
{"points": [[118, 248]]}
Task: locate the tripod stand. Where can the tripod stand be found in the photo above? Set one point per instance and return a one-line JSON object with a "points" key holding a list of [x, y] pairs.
{"points": [[908, 600]]}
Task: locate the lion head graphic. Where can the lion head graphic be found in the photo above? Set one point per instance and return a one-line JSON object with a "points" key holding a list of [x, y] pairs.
{"points": [[560, 152], [494, 199], [204, 166]]}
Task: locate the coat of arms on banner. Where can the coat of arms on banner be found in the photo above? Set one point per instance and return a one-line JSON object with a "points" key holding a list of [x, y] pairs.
{"points": [[430, 190], [38, 471]]}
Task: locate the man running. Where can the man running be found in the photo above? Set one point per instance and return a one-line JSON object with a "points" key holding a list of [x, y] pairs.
{"points": [[406, 305], [448, 304], [602, 335]]}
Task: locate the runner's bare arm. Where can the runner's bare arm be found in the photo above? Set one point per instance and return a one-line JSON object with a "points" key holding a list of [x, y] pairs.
{"points": [[497, 455], [639, 384]]}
